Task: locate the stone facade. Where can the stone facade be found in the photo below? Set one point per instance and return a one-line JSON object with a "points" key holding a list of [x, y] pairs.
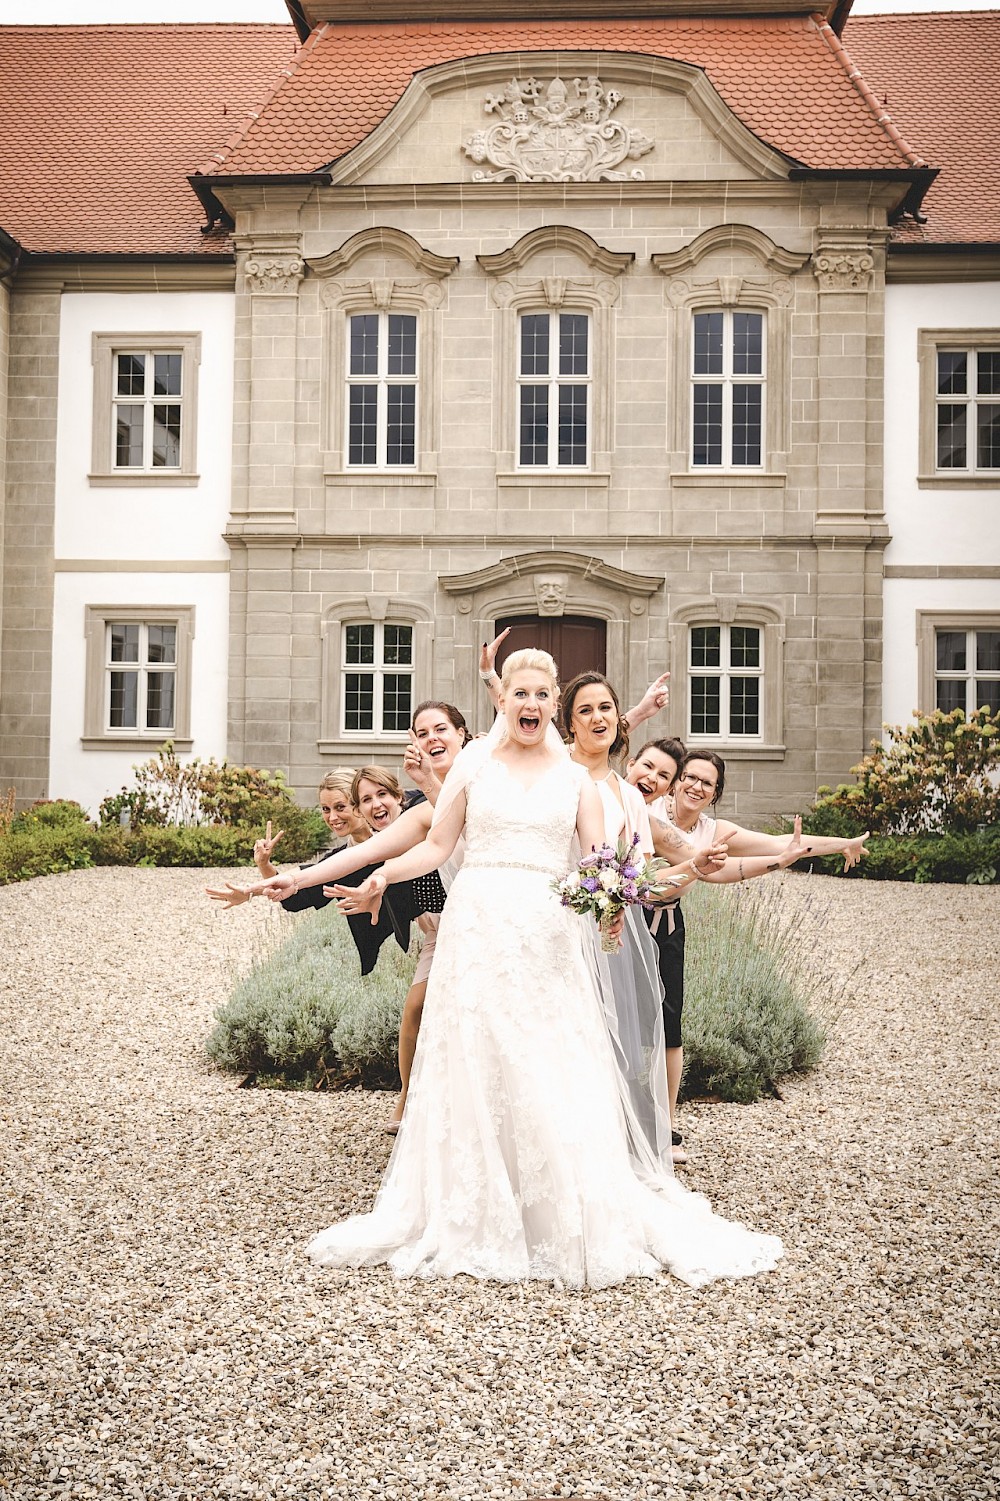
{"points": [[31, 367], [643, 540]]}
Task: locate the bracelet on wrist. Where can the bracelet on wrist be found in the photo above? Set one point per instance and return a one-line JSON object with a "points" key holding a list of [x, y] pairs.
{"points": [[487, 677]]}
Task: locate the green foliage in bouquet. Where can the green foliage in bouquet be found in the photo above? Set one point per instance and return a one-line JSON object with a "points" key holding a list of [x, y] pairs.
{"points": [[936, 775], [305, 1017], [754, 1011]]}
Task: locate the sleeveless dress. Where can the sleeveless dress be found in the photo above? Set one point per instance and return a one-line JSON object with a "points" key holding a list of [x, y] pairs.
{"points": [[513, 1162]]}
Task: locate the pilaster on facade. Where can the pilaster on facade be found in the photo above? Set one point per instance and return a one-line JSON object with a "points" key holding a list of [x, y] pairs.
{"points": [[270, 268], [849, 267], [28, 550]]}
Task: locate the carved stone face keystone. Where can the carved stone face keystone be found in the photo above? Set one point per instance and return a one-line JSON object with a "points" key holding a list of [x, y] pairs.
{"points": [[550, 593]]}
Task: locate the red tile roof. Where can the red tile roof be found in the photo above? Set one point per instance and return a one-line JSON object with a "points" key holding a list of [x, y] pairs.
{"points": [[939, 75], [782, 77], [102, 124]]}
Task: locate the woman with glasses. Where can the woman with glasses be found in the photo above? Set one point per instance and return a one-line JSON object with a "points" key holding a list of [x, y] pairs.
{"points": [[691, 833]]}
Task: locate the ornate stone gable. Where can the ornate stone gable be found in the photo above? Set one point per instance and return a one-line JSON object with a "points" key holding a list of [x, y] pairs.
{"points": [[556, 134]]}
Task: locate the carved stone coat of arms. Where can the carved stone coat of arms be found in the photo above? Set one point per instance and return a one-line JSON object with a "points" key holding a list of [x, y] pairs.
{"points": [[559, 135]]}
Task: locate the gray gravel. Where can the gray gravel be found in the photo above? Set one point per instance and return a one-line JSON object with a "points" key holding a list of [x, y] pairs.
{"points": [[163, 1334]]}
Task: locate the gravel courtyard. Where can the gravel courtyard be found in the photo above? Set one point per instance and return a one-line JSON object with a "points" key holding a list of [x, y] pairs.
{"points": [[163, 1335]]}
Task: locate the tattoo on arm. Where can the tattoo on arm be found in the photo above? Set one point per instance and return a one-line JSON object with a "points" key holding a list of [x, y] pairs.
{"points": [[669, 833]]}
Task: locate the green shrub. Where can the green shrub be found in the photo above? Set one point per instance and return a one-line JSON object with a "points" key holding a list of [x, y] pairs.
{"points": [[753, 1009], [58, 813], [937, 774], [169, 792], [305, 1017], [972, 859], [44, 850]]}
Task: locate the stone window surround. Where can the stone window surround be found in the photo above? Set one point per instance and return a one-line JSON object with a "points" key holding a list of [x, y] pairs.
{"points": [[104, 347], [730, 610], [596, 294], [369, 609], [96, 734], [929, 341], [770, 292], [340, 297], [928, 623]]}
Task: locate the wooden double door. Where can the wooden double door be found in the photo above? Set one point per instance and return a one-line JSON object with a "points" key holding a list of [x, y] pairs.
{"points": [[577, 642]]}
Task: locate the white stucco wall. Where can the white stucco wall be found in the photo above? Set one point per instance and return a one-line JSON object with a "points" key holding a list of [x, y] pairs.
{"points": [[89, 775], [144, 523], [146, 534], [941, 528]]}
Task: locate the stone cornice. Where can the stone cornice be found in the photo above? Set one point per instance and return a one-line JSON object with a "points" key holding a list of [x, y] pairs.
{"points": [[530, 562], [730, 237], [552, 237], [387, 240], [941, 263], [120, 275], [315, 12]]}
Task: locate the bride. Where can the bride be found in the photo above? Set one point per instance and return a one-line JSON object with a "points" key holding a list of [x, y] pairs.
{"points": [[519, 1158]]}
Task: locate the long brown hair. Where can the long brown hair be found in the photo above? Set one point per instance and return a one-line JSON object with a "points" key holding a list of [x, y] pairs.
{"points": [[454, 716]]}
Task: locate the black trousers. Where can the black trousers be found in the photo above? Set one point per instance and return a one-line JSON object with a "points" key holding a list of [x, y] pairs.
{"points": [[670, 954]]}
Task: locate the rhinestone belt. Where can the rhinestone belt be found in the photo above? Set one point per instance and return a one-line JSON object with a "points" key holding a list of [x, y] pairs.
{"points": [[542, 870]]}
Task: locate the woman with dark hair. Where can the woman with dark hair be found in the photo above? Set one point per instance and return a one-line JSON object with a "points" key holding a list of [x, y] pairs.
{"points": [[694, 781]]}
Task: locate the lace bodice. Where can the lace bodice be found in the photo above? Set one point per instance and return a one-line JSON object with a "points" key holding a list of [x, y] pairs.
{"points": [[509, 824]]}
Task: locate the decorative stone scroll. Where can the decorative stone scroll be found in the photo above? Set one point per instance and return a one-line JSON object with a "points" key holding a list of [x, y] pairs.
{"points": [[274, 273], [843, 268], [560, 134]]}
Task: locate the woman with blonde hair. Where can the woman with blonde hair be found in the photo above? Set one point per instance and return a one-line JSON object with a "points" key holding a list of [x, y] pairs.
{"points": [[521, 1157]]}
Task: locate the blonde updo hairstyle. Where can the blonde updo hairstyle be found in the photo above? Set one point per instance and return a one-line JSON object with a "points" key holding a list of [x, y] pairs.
{"points": [[530, 659]]}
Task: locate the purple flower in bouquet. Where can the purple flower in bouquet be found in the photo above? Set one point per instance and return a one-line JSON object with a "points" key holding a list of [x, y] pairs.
{"points": [[608, 880]]}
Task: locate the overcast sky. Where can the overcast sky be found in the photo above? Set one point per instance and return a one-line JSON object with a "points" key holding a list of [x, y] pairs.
{"points": [[65, 12]]}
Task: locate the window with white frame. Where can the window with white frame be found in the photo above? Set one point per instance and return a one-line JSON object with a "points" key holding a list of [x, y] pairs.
{"points": [[382, 376], [728, 385], [725, 674], [967, 410], [138, 675], [553, 390], [149, 402], [967, 669], [145, 408], [377, 670]]}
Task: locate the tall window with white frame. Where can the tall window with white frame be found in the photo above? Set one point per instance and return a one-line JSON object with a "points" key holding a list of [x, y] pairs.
{"points": [[727, 395], [554, 390], [967, 670], [148, 410], [725, 672], [382, 376], [377, 676], [140, 676], [967, 415]]}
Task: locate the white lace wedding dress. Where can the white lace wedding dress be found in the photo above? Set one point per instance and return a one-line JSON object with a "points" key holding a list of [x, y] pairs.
{"points": [[513, 1160]]}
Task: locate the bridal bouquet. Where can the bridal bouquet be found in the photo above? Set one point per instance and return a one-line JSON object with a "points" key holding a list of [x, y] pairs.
{"points": [[608, 880]]}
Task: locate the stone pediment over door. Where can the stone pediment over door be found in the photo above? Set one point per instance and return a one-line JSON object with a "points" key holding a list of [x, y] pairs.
{"points": [[541, 117], [551, 584]]}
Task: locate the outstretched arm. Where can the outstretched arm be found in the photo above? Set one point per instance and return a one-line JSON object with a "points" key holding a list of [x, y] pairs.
{"points": [[669, 843], [417, 861], [653, 701], [408, 830], [748, 867], [749, 842]]}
